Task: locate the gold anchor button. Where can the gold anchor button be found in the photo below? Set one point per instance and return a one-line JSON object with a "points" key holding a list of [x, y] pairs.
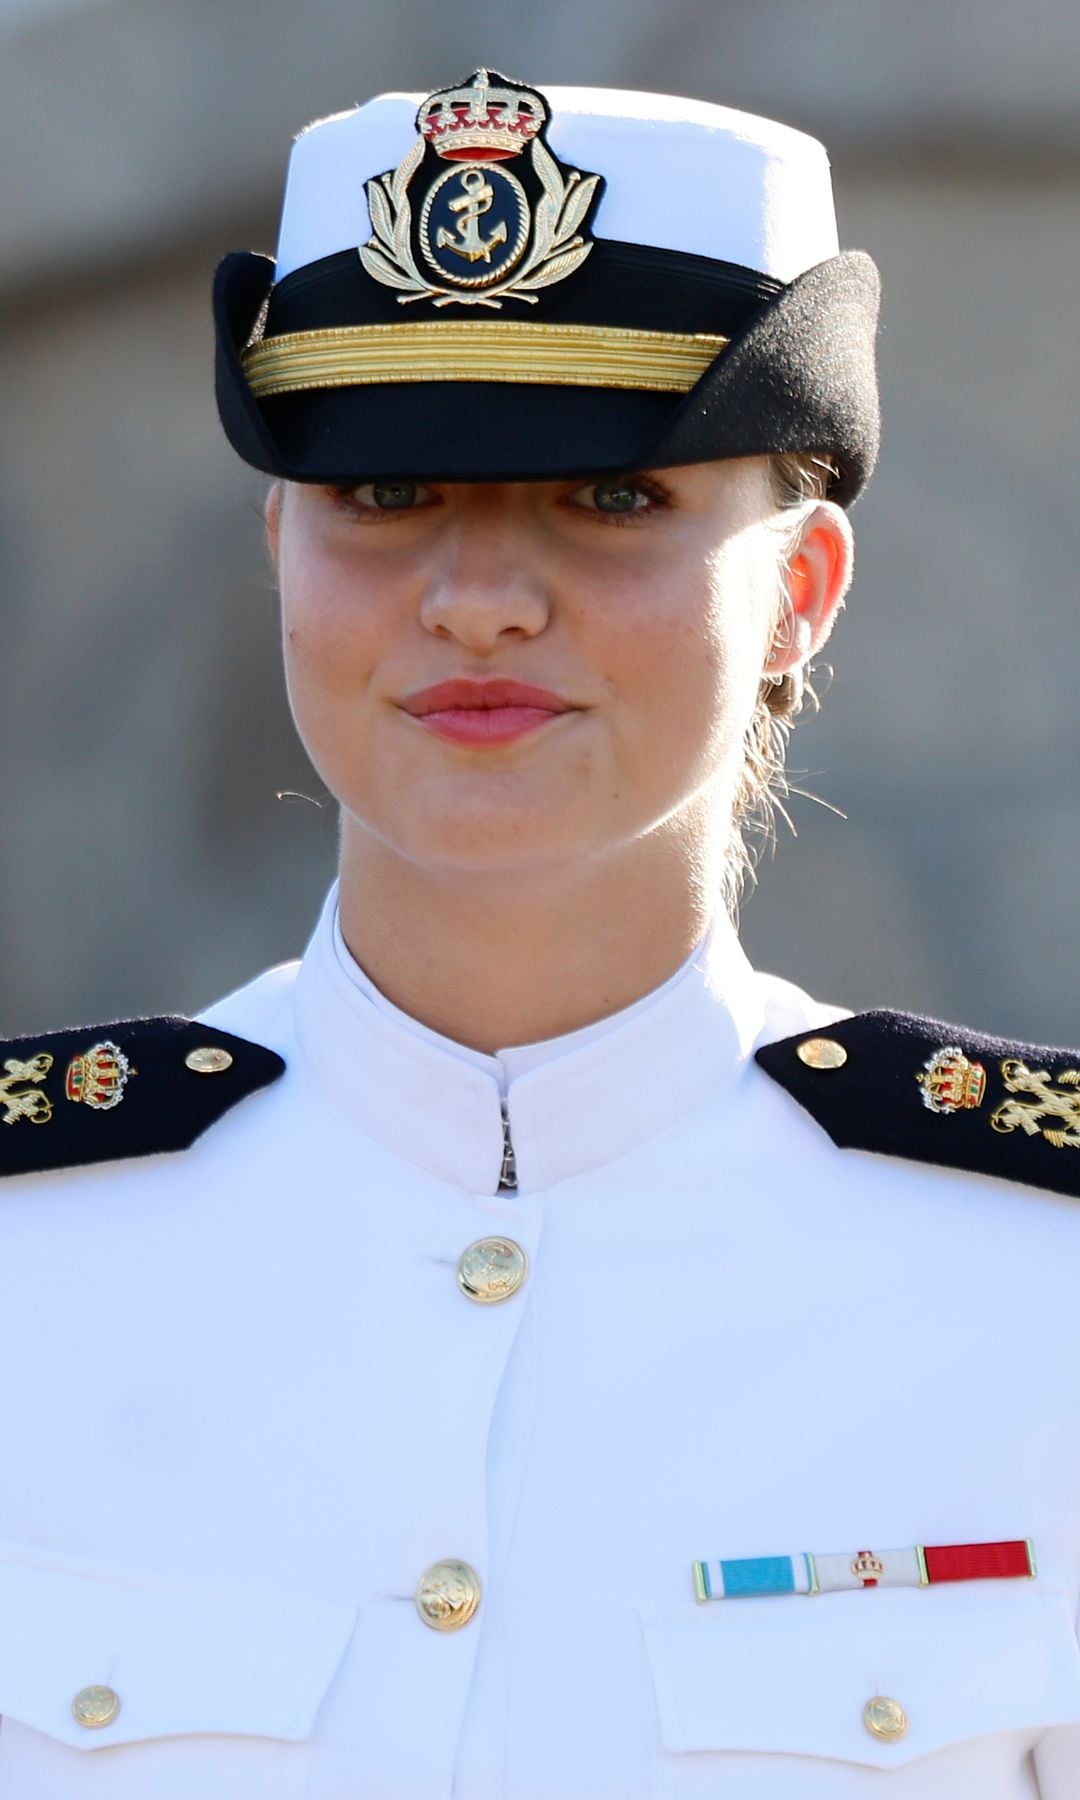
{"points": [[821, 1053], [885, 1718], [208, 1059], [448, 1595], [95, 1707], [491, 1270]]}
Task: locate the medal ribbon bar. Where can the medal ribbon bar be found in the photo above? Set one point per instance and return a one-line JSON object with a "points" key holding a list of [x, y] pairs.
{"points": [[755, 1577]]}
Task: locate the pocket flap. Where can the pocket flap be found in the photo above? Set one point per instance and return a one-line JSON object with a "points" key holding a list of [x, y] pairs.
{"points": [[794, 1675], [180, 1658]]}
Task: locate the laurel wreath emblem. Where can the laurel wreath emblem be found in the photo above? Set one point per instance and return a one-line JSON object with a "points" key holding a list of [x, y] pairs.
{"points": [[557, 248]]}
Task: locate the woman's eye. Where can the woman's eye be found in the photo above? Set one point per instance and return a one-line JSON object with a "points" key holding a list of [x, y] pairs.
{"points": [[617, 496], [389, 496], [392, 496]]}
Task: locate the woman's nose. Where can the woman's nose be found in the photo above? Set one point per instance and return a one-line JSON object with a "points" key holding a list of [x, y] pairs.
{"points": [[485, 589]]}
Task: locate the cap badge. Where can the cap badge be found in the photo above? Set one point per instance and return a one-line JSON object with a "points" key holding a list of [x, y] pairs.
{"points": [[29, 1102], [98, 1077], [453, 223]]}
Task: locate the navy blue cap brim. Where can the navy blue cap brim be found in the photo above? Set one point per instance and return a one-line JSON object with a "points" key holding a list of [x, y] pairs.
{"points": [[798, 375]]}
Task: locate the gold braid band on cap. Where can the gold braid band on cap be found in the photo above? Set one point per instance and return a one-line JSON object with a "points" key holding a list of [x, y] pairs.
{"points": [[601, 356]]}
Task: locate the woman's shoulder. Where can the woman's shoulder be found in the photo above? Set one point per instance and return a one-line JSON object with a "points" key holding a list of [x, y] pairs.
{"points": [[905, 1085], [259, 1009], [787, 1009]]}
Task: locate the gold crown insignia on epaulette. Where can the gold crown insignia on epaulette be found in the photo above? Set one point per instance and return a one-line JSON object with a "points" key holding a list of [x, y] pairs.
{"points": [[99, 1076], [950, 1082]]}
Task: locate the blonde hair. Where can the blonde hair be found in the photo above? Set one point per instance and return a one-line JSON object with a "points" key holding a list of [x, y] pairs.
{"points": [[799, 482]]}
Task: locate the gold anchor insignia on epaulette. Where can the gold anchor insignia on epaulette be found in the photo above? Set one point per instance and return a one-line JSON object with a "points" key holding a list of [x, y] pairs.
{"points": [[29, 1102], [1048, 1103]]}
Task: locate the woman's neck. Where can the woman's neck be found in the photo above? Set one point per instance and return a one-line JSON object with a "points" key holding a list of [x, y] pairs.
{"points": [[498, 960]]}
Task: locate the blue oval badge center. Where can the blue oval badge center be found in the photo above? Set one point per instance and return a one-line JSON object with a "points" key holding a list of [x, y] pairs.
{"points": [[474, 224]]}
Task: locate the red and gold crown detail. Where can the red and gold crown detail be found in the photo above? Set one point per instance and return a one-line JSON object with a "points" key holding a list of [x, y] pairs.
{"points": [[867, 1567], [950, 1082], [98, 1077], [480, 122]]}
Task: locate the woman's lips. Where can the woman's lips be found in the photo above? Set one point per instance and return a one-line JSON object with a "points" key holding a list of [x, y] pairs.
{"points": [[492, 725], [484, 712]]}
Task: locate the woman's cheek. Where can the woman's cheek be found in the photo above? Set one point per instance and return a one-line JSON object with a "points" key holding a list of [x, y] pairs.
{"points": [[317, 684], [323, 645]]}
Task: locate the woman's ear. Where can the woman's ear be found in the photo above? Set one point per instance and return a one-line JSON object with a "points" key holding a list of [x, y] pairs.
{"points": [[272, 517], [819, 571]]}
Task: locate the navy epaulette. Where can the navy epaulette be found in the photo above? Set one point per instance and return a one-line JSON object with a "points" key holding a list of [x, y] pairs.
{"points": [[132, 1088], [911, 1087]]}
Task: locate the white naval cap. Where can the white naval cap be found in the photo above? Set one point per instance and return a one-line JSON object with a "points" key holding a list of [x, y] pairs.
{"points": [[680, 175], [495, 282]]}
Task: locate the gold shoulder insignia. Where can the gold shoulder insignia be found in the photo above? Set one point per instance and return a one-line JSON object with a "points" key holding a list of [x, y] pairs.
{"points": [[906, 1086], [131, 1088]]}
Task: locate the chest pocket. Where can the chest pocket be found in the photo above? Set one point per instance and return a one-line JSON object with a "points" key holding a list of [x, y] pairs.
{"points": [[794, 1676], [217, 1692]]}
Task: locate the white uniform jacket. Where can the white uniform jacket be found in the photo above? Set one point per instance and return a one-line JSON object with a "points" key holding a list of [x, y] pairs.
{"points": [[247, 1404]]}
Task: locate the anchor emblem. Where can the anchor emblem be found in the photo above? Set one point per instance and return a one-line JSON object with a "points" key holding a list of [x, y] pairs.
{"points": [[1047, 1102], [28, 1103], [478, 199]]}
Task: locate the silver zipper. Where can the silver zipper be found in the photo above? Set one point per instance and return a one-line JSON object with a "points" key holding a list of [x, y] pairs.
{"points": [[508, 1171]]}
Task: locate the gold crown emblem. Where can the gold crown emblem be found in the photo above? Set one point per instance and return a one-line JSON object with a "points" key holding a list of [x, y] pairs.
{"points": [[866, 1566], [950, 1082], [481, 122], [98, 1077]]}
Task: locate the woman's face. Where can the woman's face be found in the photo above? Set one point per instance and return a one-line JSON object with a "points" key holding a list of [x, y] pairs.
{"points": [[643, 608]]}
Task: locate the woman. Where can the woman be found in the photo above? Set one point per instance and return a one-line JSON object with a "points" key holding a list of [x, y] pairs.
{"points": [[517, 1392]]}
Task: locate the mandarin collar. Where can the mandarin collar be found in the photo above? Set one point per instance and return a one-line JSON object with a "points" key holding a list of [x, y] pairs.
{"points": [[591, 1099]]}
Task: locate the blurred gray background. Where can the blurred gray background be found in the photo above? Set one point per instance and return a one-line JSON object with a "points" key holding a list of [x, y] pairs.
{"points": [[146, 861]]}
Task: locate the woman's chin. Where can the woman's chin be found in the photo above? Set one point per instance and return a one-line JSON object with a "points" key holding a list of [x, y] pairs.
{"points": [[489, 852], [497, 841]]}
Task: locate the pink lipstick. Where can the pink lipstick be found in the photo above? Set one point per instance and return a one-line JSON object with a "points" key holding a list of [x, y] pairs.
{"points": [[484, 712]]}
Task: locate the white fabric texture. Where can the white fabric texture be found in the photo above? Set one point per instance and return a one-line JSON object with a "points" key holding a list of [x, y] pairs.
{"points": [[247, 1405], [748, 190]]}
